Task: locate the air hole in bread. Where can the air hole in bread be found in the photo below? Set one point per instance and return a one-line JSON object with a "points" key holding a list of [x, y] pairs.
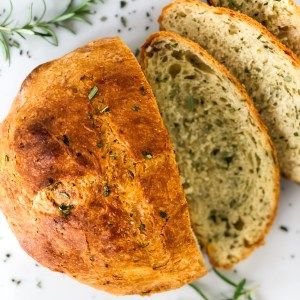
{"points": [[174, 69]]}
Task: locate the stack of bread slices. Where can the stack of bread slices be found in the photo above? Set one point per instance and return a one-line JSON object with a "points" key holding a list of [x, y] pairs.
{"points": [[215, 122], [115, 173]]}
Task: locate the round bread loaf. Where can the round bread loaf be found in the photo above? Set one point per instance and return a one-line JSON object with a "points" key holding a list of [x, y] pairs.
{"points": [[89, 182]]}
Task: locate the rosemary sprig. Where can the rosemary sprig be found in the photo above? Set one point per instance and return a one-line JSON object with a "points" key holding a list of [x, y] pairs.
{"points": [[40, 27], [239, 288]]}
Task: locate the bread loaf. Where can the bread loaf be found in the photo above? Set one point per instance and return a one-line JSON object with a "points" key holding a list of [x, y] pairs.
{"points": [[225, 155], [89, 182], [269, 71]]}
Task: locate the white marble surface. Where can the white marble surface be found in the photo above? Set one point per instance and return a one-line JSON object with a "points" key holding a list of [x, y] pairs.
{"points": [[273, 270]]}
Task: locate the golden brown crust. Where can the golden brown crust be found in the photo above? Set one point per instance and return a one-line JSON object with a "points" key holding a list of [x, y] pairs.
{"points": [[198, 49], [91, 187], [235, 14]]}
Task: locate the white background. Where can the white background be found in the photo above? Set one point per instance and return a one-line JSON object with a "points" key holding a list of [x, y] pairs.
{"points": [[273, 270]]}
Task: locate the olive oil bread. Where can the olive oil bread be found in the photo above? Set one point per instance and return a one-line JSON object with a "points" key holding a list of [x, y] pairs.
{"points": [[89, 182], [270, 72], [226, 159], [281, 17]]}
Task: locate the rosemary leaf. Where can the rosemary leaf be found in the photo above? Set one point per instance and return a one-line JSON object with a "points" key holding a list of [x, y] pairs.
{"points": [[239, 290], [199, 291], [93, 92], [224, 278]]}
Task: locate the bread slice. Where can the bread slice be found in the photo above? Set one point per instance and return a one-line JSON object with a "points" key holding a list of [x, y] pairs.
{"points": [[229, 169], [281, 17], [270, 72], [89, 182]]}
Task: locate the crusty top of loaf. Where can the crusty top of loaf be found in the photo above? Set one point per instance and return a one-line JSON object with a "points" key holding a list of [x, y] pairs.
{"points": [[90, 186]]}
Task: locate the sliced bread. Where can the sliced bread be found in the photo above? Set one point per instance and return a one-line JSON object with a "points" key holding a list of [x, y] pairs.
{"points": [[270, 72], [225, 156], [281, 17]]}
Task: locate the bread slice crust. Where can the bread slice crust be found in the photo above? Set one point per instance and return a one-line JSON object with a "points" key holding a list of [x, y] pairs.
{"points": [[282, 18], [288, 159], [210, 249], [89, 182]]}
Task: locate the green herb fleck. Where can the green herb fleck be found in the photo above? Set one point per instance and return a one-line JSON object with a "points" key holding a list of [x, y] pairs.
{"points": [[143, 90], [259, 37], [39, 284], [296, 134], [66, 140], [100, 144], [135, 108], [137, 52], [228, 159], [103, 19], [6, 158], [191, 103], [142, 227], [65, 209], [233, 30], [147, 154], [92, 258], [93, 92], [124, 21], [106, 191], [163, 214], [287, 78]]}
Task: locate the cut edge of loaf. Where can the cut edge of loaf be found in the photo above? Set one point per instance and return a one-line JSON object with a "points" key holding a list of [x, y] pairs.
{"points": [[250, 105]]}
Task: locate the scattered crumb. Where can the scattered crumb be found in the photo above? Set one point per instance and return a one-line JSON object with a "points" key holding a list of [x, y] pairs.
{"points": [[124, 21], [123, 4], [16, 281], [7, 257], [283, 228]]}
